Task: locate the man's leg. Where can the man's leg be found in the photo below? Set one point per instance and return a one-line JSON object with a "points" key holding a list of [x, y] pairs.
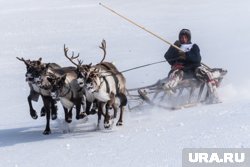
{"points": [[174, 77]]}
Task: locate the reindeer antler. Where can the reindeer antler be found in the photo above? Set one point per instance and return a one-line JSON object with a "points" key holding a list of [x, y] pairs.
{"points": [[103, 47], [22, 59], [72, 56], [80, 62]]}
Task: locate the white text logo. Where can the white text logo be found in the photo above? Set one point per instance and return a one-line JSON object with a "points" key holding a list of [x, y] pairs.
{"points": [[215, 158]]}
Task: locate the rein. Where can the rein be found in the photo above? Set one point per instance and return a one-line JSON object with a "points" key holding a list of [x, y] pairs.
{"points": [[131, 69], [143, 66]]}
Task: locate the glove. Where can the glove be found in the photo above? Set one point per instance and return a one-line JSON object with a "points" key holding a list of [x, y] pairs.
{"points": [[177, 67], [177, 43], [182, 55]]}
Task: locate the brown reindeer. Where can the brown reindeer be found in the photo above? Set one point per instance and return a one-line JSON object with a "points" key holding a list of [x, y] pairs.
{"points": [[62, 83], [103, 83], [63, 86], [34, 71]]}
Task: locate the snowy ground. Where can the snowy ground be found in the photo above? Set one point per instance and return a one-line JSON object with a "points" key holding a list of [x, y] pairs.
{"points": [[150, 136]]}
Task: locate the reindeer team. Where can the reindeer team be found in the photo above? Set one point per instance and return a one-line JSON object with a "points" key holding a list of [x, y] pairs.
{"points": [[88, 88], [99, 87]]}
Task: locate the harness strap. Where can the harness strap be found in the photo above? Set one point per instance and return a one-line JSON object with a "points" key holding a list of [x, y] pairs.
{"points": [[107, 84], [116, 83], [113, 74]]}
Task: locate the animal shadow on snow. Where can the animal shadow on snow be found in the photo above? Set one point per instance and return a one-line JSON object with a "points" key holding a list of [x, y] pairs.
{"points": [[9, 137]]}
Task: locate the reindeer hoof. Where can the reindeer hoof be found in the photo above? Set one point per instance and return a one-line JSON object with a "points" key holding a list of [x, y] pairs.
{"points": [[46, 132], [78, 117], [93, 111], [54, 116], [54, 113], [107, 126], [68, 120], [33, 114], [43, 111], [81, 115], [119, 123]]}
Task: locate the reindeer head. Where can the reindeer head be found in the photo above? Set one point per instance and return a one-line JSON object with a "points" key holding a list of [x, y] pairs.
{"points": [[93, 79], [91, 74], [34, 69], [54, 83], [82, 73], [58, 85]]}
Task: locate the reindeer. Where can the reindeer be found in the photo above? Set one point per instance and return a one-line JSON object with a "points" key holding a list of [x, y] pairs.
{"points": [[107, 86], [104, 84], [33, 76], [62, 84]]}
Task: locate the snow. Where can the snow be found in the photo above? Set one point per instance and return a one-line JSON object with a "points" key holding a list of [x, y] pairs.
{"points": [[150, 136]]}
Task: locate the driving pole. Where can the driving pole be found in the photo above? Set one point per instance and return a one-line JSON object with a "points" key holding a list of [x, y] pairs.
{"points": [[150, 32]]}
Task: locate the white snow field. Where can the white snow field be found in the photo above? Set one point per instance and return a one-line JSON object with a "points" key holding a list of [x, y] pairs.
{"points": [[150, 137]]}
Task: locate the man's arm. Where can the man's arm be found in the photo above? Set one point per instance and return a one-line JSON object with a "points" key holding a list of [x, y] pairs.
{"points": [[172, 54], [194, 54]]}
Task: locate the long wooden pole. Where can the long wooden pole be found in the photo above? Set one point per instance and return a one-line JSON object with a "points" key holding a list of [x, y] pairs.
{"points": [[150, 32]]}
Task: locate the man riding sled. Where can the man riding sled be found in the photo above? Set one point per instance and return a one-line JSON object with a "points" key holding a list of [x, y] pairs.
{"points": [[187, 64]]}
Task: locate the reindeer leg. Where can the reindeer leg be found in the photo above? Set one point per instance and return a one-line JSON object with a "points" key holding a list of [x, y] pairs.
{"points": [[88, 106], [107, 118], [53, 109], [100, 113], [94, 107], [42, 112], [68, 115], [33, 113], [115, 110], [120, 122], [124, 102], [78, 108], [79, 115], [47, 106]]}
